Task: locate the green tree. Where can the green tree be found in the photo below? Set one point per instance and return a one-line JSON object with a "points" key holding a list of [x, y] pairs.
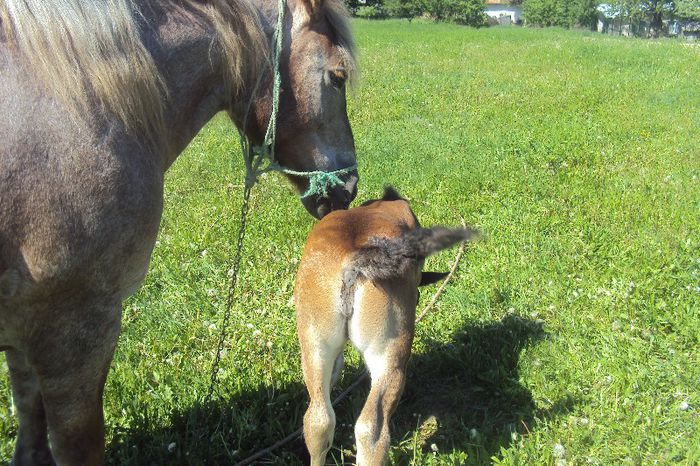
{"points": [[467, 12], [438, 9], [655, 11], [688, 10], [584, 13], [564, 13], [542, 12], [651, 11], [404, 8]]}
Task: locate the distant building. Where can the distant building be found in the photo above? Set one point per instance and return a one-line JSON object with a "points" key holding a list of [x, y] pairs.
{"points": [[689, 30], [502, 12], [611, 21]]}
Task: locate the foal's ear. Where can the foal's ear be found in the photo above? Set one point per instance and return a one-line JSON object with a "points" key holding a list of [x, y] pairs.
{"points": [[391, 194], [431, 277]]}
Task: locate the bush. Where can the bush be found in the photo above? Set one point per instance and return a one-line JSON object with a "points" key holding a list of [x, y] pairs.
{"points": [[688, 9], [371, 12], [563, 13], [404, 8], [467, 12]]}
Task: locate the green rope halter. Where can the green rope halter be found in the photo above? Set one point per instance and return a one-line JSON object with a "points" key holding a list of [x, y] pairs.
{"points": [[320, 182]]}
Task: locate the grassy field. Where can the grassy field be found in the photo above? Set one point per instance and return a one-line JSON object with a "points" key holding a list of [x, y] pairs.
{"points": [[570, 334]]}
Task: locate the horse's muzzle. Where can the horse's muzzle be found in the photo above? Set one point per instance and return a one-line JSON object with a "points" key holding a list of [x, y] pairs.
{"points": [[339, 197]]}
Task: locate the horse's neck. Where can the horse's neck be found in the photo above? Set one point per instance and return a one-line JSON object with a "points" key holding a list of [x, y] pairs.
{"points": [[181, 48]]}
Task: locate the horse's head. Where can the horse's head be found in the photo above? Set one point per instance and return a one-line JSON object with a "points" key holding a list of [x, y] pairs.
{"points": [[313, 131]]}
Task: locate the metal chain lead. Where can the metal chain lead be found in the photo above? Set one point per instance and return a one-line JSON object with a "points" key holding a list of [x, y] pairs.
{"points": [[231, 291], [252, 164]]}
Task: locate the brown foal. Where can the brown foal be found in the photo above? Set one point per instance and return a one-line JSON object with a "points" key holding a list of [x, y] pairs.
{"points": [[358, 280]]}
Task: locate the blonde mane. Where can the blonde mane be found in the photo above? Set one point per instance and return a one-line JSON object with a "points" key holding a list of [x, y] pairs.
{"points": [[84, 51]]}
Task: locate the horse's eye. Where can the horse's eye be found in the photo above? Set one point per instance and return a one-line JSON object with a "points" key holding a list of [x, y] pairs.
{"points": [[337, 78]]}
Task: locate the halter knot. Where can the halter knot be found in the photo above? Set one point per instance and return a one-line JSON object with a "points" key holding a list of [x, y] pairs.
{"points": [[321, 183]]}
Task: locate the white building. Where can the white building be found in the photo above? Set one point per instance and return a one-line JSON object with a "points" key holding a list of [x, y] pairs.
{"points": [[503, 12]]}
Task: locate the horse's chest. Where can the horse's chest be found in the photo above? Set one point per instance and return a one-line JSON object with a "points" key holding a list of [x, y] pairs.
{"points": [[91, 223]]}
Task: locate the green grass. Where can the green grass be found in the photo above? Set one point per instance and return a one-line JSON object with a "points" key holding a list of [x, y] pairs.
{"points": [[569, 335]]}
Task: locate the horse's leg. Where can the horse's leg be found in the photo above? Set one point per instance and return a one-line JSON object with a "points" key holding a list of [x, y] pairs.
{"points": [[72, 365], [321, 349], [32, 447]]}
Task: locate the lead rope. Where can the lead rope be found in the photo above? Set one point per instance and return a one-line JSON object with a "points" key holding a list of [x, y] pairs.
{"points": [[320, 182], [253, 158]]}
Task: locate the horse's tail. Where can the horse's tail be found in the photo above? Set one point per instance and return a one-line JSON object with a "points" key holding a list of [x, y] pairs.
{"points": [[386, 258]]}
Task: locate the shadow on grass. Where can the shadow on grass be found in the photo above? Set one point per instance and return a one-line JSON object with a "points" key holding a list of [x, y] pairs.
{"points": [[464, 396]]}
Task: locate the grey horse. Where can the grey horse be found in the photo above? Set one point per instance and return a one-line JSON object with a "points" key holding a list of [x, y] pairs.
{"points": [[97, 99]]}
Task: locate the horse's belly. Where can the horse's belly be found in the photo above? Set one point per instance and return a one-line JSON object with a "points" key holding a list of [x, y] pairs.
{"points": [[113, 266]]}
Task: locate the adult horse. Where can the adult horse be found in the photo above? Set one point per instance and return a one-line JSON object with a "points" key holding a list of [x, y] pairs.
{"points": [[98, 98]]}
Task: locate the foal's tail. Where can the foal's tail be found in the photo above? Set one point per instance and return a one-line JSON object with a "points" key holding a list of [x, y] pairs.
{"points": [[385, 258]]}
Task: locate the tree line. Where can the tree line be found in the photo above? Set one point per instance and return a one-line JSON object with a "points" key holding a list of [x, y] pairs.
{"points": [[562, 13], [585, 13], [467, 12]]}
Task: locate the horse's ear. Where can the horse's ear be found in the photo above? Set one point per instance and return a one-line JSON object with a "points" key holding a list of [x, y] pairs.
{"points": [[431, 277], [314, 7]]}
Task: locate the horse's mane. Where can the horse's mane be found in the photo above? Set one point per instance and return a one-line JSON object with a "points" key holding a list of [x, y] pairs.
{"points": [[87, 51], [84, 51]]}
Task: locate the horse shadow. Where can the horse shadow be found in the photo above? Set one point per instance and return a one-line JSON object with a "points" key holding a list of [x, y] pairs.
{"points": [[463, 396]]}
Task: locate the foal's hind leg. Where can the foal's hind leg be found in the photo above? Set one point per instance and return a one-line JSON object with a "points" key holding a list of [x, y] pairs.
{"points": [[384, 337], [321, 347], [372, 427], [32, 447], [72, 364]]}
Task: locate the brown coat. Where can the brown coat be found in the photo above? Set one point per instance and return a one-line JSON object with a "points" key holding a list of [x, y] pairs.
{"points": [[358, 279]]}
